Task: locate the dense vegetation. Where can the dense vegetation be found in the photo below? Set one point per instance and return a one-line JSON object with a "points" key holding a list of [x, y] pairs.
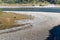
{"points": [[30, 1]]}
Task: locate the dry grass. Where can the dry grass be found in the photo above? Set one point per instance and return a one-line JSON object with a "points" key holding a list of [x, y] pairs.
{"points": [[5, 4], [27, 4], [7, 20], [15, 16]]}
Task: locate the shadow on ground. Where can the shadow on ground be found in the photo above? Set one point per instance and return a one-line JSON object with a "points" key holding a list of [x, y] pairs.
{"points": [[54, 33]]}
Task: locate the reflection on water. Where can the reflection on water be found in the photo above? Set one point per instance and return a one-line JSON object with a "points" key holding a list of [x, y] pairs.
{"points": [[54, 33]]}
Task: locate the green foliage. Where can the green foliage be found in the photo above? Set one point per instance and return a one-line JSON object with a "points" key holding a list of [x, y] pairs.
{"points": [[29, 1], [58, 1], [0, 1], [0, 12]]}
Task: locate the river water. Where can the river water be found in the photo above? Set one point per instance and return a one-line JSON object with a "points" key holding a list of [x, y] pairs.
{"points": [[37, 9]]}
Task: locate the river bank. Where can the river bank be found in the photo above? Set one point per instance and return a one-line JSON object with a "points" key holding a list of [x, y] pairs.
{"points": [[47, 6], [42, 22]]}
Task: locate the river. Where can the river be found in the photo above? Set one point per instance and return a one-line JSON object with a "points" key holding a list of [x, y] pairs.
{"points": [[34, 9]]}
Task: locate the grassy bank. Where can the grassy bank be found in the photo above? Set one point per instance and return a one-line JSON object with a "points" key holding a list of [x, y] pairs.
{"points": [[7, 20]]}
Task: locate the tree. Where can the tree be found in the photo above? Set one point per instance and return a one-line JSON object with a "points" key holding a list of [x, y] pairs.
{"points": [[57, 1]]}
